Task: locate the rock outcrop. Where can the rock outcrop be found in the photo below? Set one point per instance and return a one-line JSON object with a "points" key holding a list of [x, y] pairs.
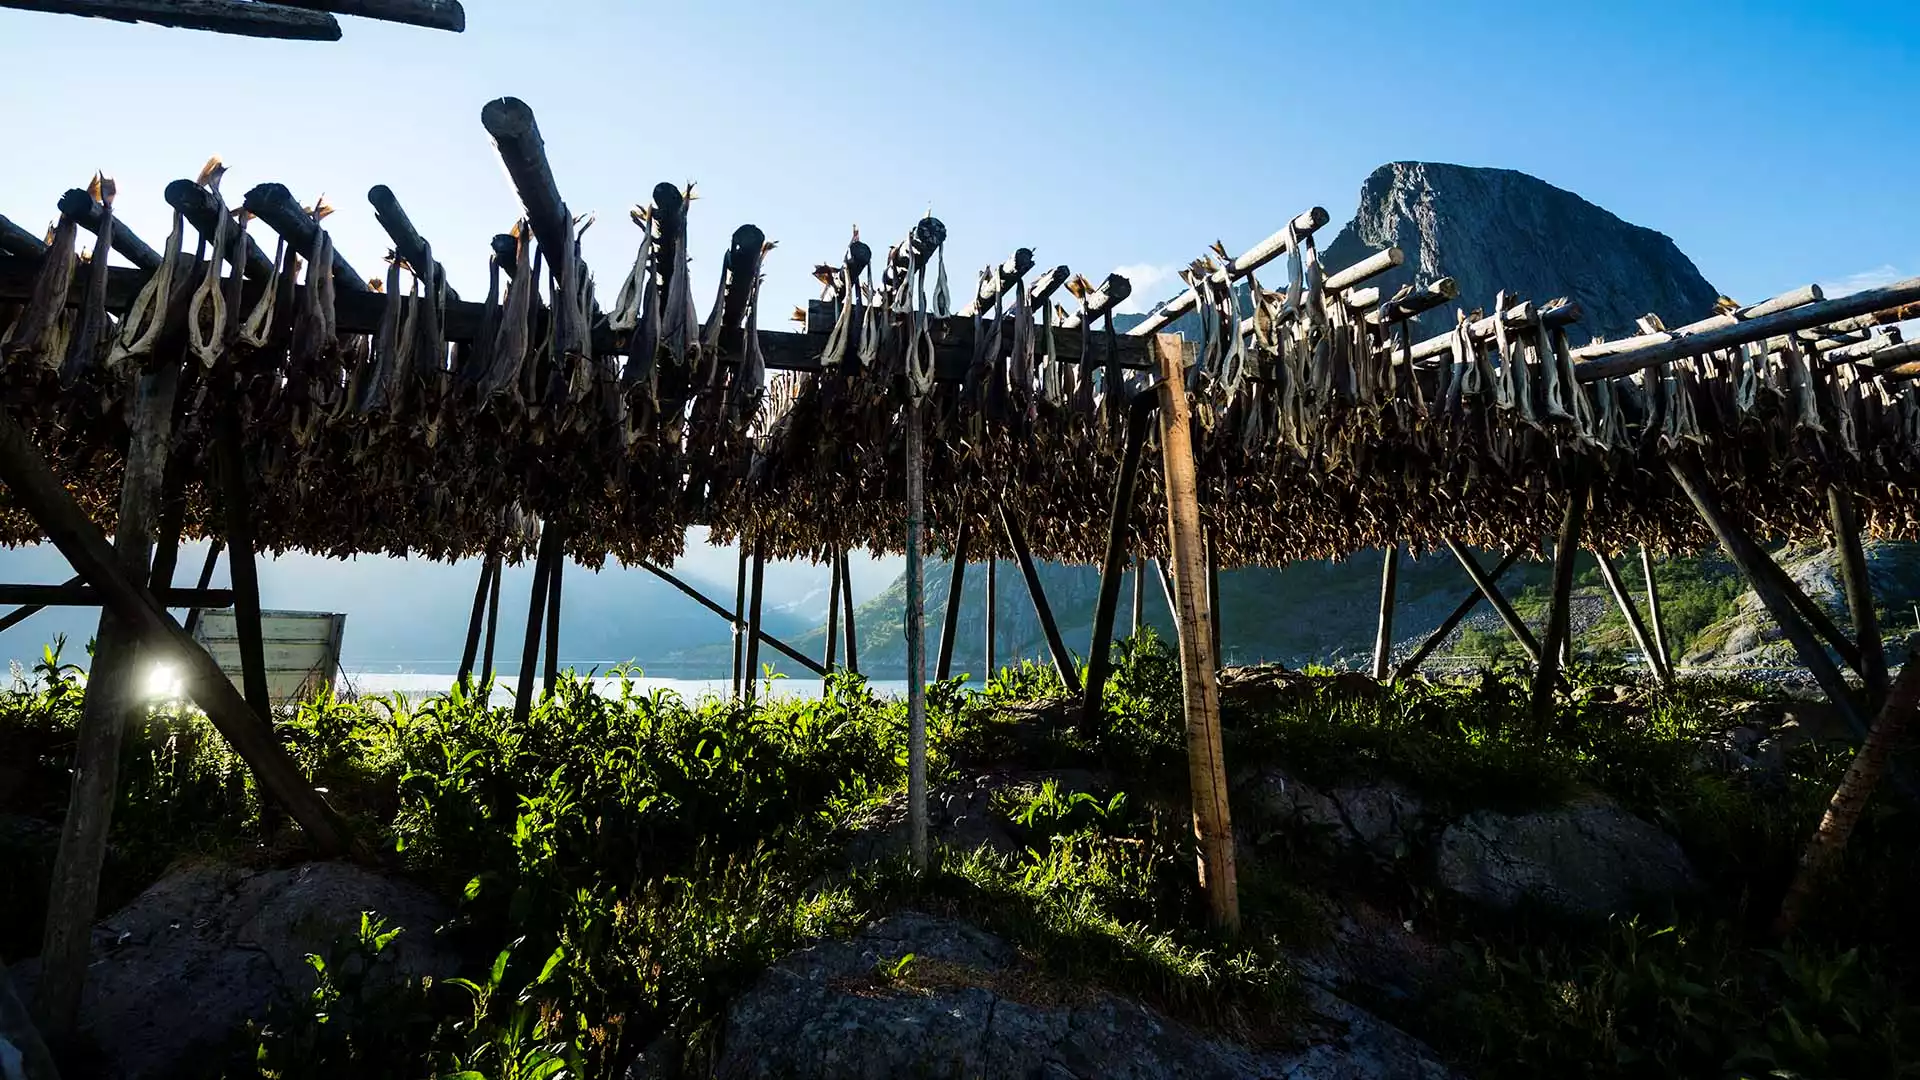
{"points": [[210, 946], [1493, 229], [963, 1007], [1588, 858]]}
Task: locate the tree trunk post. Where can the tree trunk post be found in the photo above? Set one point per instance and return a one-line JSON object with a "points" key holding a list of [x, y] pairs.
{"points": [[1383, 636], [1546, 679], [916, 644], [543, 562], [1446, 627], [740, 621], [1511, 619], [1206, 768], [111, 698], [238, 515], [1139, 595], [1656, 625], [750, 673], [206, 579], [833, 622], [554, 578], [993, 613], [1641, 640], [1119, 537], [1213, 602], [1749, 558], [493, 619], [1859, 588], [475, 622], [1062, 659], [956, 581], [846, 614]]}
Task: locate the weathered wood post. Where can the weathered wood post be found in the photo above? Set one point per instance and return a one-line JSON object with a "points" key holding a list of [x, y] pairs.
{"points": [[740, 620], [1656, 625], [956, 581], [1510, 618], [1206, 768], [1383, 636], [554, 577], [846, 615], [1056, 645], [1119, 539], [476, 620], [916, 640], [1546, 679], [236, 504], [1213, 602], [1139, 594], [1412, 663], [1641, 640], [111, 697], [543, 562], [206, 579], [833, 622], [1859, 589], [750, 673], [493, 619], [993, 611]]}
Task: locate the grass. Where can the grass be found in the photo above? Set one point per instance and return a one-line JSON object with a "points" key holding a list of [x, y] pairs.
{"points": [[624, 864]]}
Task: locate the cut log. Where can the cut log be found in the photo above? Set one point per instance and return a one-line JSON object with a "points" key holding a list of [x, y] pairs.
{"points": [[1383, 636], [1566, 550], [407, 241], [1859, 590], [1062, 659], [914, 419], [276, 207], [1491, 592], [249, 18], [1412, 663], [524, 153], [1655, 661], [431, 14], [1656, 624], [956, 581], [1119, 541], [697, 596], [87, 212], [1280, 243], [72, 594], [756, 592]]}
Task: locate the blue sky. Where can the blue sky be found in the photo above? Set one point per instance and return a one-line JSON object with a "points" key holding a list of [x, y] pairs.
{"points": [[1772, 141]]}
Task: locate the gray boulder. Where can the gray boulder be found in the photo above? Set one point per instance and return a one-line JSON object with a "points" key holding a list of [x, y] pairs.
{"points": [[1383, 820], [964, 1008], [210, 946], [1586, 858]]}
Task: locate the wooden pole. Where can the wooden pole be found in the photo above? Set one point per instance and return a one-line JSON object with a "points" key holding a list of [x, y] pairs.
{"points": [[1546, 679], [543, 562], [554, 579], [833, 621], [1119, 538], [1213, 601], [1439, 635], [1206, 766], [111, 698], [432, 14], [789, 651], [1859, 588], [70, 595], [1062, 659], [1139, 594], [244, 17], [956, 579], [37, 491], [493, 619], [206, 577], [993, 612], [237, 510], [739, 619], [916, 643], [1817, 618], [476, 620], [1655, 624], [846, 615], [750, 673], [26, 611], [1641, 639], [1749, 558], [1383, 636], [1493, 596]]}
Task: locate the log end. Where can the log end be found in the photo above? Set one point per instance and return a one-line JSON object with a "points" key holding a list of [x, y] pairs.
{"points": [[263, 199], [508, 118], [186, 196], [78, 204], [1311, 220]]}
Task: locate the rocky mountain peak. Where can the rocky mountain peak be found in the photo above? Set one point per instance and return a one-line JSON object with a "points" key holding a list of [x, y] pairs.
{"points": [[1493, 229]]}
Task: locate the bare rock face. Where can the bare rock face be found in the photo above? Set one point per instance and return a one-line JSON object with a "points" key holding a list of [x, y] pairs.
{"points": [[1587, 858], [209, 946], [963, 1007], [1493, 229]]}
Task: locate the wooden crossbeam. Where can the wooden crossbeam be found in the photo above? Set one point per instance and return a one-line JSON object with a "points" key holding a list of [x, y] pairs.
{"points": [[1119, 535], [248, 18], [696, 595], [432, 14], [72, 594], [1412, 663]]}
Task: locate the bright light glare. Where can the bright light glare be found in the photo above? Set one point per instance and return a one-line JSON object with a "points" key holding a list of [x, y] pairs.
{"points": [[163, 683]]}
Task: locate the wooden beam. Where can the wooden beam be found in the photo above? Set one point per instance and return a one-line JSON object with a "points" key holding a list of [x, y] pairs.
{"points": [[1491, 592], [992, 287], [249, 18], [738, 618], [407, 241], [846, 599], [1566, 550], [1119, 541], [1213, 600], [543, 562], [1062, 659], [1433, 641], [833, 621], [276, 207], [1805, 317], [1206, 764], [1383, 636], [524, 153], [432, 14], [992, 617], [20, 243], [1816, 616], [26, 611], [1139, 595], [1800, 297], [237, 511], [489, 566], [1280, 243], [1753, 563], [1656, 625], [1425, 299], [1370, 266], [204, 211], [696, 595], [493, 622], [750, 673], [1859, 590], [112, 698], [206, 578], [551, 675], [956, 581], [73, 595], [87, 212], [914, 418], [1519, 316], [1654, 660]]}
